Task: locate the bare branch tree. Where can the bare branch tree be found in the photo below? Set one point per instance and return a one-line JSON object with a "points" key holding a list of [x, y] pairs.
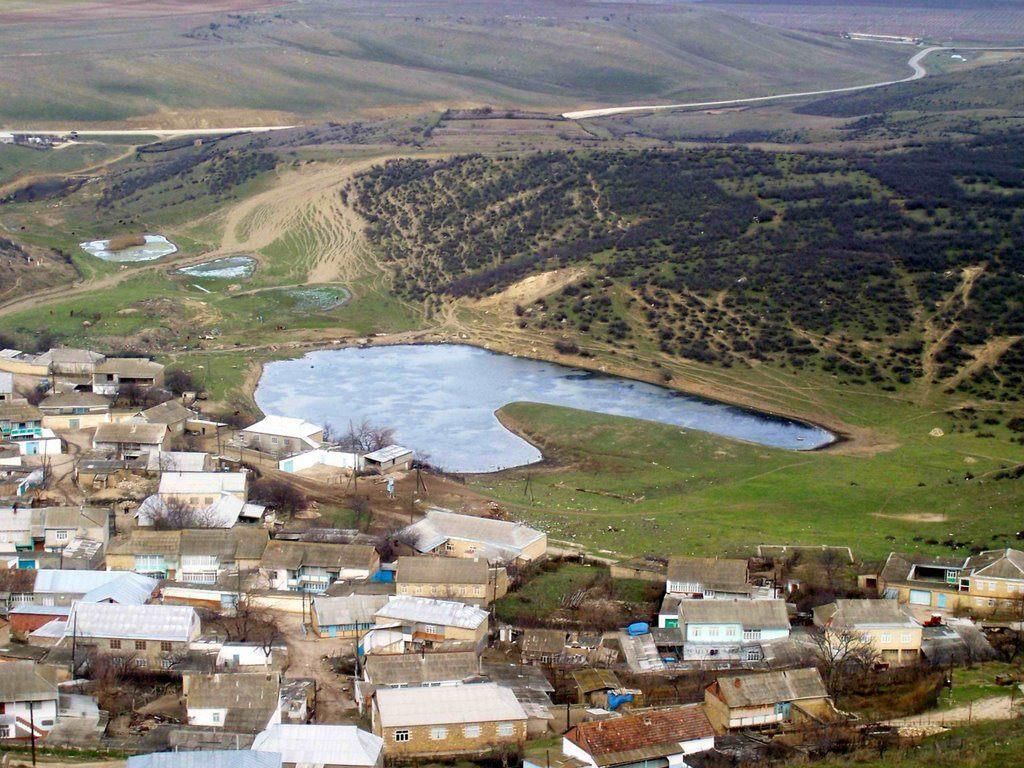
{"points": [[365, 437], [175, 515], [842, 654]]}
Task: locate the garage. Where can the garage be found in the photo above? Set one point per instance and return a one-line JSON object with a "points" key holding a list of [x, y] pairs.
{"points": [[920, 597]]}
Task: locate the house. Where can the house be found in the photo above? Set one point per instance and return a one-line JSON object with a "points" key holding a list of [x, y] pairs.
{"points": [[32, 532], [468, 581], [74, 410], [237, 702], [428, 722], [711, 578], [420, 622], [130, 439], [295, 565], [19, 419], [26, 618], [981, 584], [207, 758], [404, 670], [115, 374], [197, 556], [213, 499], [597, 688], [144, 635], [543, 646], [6, 386], [726, 629], [182, 461], [995, 580], [769, 699], [322, 746], [64, 587], [28, 702], [20, 363], [664, 737], [171, 413], [452, 535], [348, 616], [278, 435], [70, 368], [893, 633], [390, 458]]}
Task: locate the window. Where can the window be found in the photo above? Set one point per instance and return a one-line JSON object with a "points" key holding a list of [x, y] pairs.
{"points": [[166, 646], [471, 731], [216, 717], [5, 731], [402, 735], [439, 734], [906, 637], [167, 663], [61, 535], [140, 645], [115, 645], [141, 663], [506, 729], [431, 629], [886, 637]]}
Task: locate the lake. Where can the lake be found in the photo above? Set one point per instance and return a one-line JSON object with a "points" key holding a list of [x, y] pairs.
{"points": [[441, 399]]}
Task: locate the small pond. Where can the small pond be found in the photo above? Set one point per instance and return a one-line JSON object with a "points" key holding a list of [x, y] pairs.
{"points": [[228, 267], [441, 400], [155, 247]]}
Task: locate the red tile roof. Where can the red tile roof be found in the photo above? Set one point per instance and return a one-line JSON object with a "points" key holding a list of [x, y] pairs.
{"points": [[646, 735]]}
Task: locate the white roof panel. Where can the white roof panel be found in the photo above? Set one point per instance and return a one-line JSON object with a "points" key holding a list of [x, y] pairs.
{"points": [[186, 483], [176, 623], [284, 426], [427, 611], [320, 744], [448, 705]]}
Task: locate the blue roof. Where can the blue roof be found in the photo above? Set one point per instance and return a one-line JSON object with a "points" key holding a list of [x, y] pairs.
{"points": [[216, 758]]}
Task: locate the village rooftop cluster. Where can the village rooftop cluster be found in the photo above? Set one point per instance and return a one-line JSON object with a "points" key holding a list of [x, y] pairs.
{"points": [[166, 592]]}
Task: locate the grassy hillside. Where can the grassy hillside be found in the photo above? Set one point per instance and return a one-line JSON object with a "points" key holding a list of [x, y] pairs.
{"points": [[321, 59]]}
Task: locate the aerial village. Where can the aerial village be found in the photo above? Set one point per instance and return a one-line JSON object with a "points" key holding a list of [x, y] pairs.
{"points": [[169, 592]]}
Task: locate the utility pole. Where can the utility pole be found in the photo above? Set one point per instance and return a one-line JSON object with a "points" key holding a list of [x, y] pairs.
{"points": [[32, 727]]}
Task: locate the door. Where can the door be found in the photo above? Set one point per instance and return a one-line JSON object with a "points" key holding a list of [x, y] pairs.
{"points": [[74, 423], [940, 600], [31, 449], [332, 631], [920, 597], [288, 466]]}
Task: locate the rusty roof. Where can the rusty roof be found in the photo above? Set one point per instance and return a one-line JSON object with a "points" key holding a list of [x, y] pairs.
{"points": [[644, 736]]}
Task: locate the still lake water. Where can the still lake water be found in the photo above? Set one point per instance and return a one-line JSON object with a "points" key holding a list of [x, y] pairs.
{"points": [[441, 400]]}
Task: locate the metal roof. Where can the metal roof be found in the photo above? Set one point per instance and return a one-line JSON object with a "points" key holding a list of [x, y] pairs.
{"points": [[448, 705], [751, 614], [201, 483], [130, 432], [95, 586], [6, 381], [417, 669], [442, 570], [387, 453], [351, 609], [179, 461], [440, 525], [214, 758], [19, 681], [998, 564], [318, 745], [176, 623], [864, 613], [284, 426], [770, 687], [424, 610]]}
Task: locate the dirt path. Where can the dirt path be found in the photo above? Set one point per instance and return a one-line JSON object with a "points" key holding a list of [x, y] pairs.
{"points": [[991, 708]]}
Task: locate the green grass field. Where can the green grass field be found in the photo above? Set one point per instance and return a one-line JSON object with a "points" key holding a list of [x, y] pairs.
{"points": [[978, 682]]}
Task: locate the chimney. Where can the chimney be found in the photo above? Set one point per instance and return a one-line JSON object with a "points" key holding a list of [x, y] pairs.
{"points": [[737, 683]]}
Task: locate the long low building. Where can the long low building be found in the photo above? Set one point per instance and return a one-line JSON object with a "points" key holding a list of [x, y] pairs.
{"points": [[452, 535], [424, 622]]}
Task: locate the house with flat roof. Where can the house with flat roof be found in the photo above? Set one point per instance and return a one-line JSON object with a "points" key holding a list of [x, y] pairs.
{"points": [[196, 556], [452, 535], [130, 439], [324, 746], [308, 567], [28, 702], [152, 636], [236, 702], [390, 458], [448, 578], [423, 622], [769, 699], [73, 410], [893, 633], [650, 737], [281, 435], [441, 722]]}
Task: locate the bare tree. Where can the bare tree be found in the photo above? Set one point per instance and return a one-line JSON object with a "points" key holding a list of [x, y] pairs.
{"points": [[366, 437], [831, 561], [842, 653], [283, 497], [251, 623], [175, 515]]}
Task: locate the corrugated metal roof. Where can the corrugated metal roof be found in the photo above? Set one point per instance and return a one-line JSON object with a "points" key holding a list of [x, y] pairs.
{"points": [[20, 682], [176, 623], [284, 426], [351, 609], [387, 453], [94, 586], [309, 745], [448, 705], [417, 669], [442, 570], [213, 758], [440, 525], [751, 614], [424, 610]]}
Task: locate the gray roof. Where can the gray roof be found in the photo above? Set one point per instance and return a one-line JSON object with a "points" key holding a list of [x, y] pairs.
{"points": [[96, 586], [446, 613], [175, 623], [442, 570], [770, 687], [448, 705], [19, 410], [257, 692], [130, 432], [998, 564], [502, 537], [73, 400], [295, 554], [320, 745], [6, 382], [417, 669], [214, 758], [387, 453], [722, 574], [751, 614], [864, 613], [170, 412], [19, 681], [130, 367], [351, 609]]}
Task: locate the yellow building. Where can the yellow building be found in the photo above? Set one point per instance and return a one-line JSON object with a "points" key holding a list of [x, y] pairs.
{"points": [[446, 578], [888, 626]]}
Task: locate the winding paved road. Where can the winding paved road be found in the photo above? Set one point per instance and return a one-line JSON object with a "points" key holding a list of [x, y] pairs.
{"points": [[914, 63]]}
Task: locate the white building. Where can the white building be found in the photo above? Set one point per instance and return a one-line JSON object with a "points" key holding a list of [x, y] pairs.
{"points": [[27, 701], [323, 746]]}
